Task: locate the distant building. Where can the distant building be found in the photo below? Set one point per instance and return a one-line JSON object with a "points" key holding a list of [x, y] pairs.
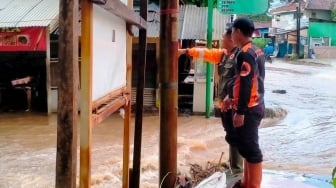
{"points": [[284, 27]]}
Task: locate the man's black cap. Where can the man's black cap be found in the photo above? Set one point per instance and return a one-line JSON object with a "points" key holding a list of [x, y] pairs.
{"points": [[244, 24]]}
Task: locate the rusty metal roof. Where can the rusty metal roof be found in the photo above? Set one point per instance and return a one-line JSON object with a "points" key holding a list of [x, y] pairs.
{"points": [[192, 23], [320, 4], [153, 25], [291, 7], [29, 13]]}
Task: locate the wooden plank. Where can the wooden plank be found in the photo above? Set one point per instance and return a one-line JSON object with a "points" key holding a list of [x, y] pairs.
{"points": [[121, 10], [86, 95], [107, 110], [99, 102]]}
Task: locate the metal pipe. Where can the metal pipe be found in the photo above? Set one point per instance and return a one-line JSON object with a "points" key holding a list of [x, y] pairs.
{"points": [[209, 67], [86, 95]]}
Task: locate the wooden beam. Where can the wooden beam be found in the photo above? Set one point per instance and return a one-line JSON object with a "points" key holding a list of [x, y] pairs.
{"points": [[135, 177], [168, 96], [86, 95], [48, 74], [67, 112], [127, 118], [105, 99], [109, 109], [121, 10]]}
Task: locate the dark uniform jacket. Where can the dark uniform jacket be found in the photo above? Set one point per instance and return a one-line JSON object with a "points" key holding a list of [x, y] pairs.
{"points": [[248, 87], [226, 72]]}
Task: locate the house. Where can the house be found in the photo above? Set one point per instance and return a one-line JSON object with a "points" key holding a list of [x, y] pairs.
{"points": [[29, 49], [25, 30], [262, 29], [285, 17], [319, 10], [322, 25], [284, 27]]}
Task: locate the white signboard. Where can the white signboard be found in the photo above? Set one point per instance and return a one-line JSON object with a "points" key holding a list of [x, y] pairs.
{"points": [[109, 53]]}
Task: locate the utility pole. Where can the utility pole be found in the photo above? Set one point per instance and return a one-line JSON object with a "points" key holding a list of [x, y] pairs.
{"points": [[168, 96], [67, 112], [298, 27]]}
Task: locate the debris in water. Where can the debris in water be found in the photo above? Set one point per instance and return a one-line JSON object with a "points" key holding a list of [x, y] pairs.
{"points": [[198, 173]]}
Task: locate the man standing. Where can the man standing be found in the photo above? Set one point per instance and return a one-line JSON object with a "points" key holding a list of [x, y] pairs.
{"points": [[248, 100], [226, 73], [225, 58]]}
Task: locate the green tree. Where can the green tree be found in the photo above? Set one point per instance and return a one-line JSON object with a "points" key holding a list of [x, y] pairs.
{"points": [[260, 42], [260, 17], [333, 14]]}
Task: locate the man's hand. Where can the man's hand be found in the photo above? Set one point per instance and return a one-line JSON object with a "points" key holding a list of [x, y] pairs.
{"points": [[238, 120], [226, 104]]}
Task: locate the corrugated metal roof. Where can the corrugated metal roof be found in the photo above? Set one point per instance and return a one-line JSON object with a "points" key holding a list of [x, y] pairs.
{"points": [[29, 13], [153, 25], [320, 4], [291, 7], [195, 23], [192, 23], [265, 24]]}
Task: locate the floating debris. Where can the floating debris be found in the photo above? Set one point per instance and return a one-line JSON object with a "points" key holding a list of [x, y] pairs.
{"points": [[198, 173]]}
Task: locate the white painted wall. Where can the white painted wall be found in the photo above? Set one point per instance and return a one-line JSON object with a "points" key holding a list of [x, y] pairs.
{"points": [[109, 58], [287, 21]]}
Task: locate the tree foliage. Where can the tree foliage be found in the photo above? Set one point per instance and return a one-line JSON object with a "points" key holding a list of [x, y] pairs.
{"points": [[333, 14], [260, 17]]}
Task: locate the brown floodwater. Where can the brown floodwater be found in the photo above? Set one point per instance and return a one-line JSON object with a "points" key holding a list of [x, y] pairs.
{"points": [[303, 141]]}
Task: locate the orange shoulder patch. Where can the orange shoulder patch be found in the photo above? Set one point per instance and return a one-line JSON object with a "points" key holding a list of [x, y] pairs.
{"points": [[245, 69]]}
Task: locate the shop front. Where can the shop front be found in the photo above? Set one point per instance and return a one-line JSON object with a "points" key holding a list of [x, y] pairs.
{"points": [[23, 70]]}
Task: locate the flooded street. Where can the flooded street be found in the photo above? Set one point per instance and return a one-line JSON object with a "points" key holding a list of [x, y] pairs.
{"points": [[306, 139], [303, 142]]}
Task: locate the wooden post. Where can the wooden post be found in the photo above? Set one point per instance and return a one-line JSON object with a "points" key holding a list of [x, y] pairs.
{"points": [[86, 95], [127, 120], [135, 178], [168, 88], [67, 116], [48, 77]]}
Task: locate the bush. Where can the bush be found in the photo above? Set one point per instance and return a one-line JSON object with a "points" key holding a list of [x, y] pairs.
{"points": [[260, 42], [293, 57]]}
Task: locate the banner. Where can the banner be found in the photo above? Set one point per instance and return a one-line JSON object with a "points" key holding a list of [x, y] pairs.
{"points": [[23, 39]]}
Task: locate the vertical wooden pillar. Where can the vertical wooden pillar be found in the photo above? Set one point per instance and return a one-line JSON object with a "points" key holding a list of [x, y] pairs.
{"points": [[135, 178], [48, 77], [127, 120], [86, 95], [168, 87], [67, 116]]}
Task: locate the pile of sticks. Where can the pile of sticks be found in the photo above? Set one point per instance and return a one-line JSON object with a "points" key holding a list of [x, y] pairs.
{"points": [[198, 173]]}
